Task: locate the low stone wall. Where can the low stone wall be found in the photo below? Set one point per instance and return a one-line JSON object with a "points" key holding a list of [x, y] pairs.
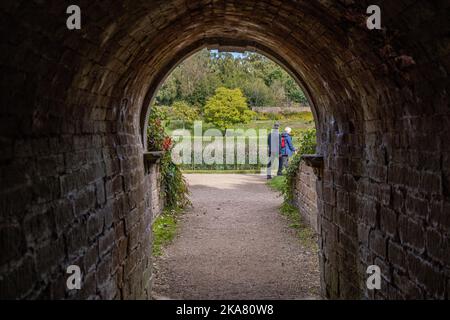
{"points": [[305, 194], [155, 196], [156, 204]]}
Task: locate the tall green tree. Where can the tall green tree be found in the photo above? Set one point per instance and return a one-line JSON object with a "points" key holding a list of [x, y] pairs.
{"points": [[258, 93]]}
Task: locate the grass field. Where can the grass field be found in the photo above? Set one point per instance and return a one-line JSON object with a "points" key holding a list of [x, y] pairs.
{"points": [[219, 171], [302, 122]]}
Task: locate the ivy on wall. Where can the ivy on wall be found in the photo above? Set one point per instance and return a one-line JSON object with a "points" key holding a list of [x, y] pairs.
{"points": [[307, 146], [173, 185]]}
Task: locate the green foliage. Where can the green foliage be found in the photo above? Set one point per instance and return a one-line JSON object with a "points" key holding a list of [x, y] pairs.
{"points": [[181, 110], [168, 92], [258, 93], [294, 93], [173, 185], [217, 171], [299, 116], [304, 232], [193, 81], [226, 108], [263, 82], [155, 129], [284, 185], [297, 127], [269, 116], [306, 117], [164, 229], [308, 142], [307, 145], [277, 183], [278, 93]]}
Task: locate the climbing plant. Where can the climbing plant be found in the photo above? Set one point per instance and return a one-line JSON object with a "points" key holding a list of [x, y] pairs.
{"points": [[307, 145], [173, 185], [155, 129]]}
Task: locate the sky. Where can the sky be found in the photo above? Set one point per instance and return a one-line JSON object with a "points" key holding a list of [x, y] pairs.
{"points": [[235, 54]]}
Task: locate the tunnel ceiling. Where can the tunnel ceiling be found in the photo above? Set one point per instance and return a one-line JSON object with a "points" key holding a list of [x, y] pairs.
{"points": [[126, 45]]}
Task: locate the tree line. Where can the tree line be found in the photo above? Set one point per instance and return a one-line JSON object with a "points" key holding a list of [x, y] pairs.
{"points": [[262, 81]]}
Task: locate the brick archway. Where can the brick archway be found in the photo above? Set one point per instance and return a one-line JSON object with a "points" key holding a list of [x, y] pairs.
{"points": [[73, 186]]}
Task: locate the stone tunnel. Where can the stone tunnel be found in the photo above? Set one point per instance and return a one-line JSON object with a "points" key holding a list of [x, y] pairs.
{"points": [[74, 187]]}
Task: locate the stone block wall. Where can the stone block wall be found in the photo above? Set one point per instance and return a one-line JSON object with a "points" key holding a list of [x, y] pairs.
{"points": [[305, 194], [156, 196]]}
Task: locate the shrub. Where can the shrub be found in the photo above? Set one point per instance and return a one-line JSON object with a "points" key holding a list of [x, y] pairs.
{"points": [[181, 110], [308, 142], [226, 108], [262, 116], [155, 129], [174, 186], [300, 116], [307, 145]]}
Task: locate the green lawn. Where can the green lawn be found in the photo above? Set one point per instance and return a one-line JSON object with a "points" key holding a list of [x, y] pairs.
{"points": [[221, 171], [300, 123], [297, 126]]}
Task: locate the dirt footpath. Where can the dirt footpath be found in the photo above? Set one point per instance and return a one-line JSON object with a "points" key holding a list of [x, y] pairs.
{"points": [[233, 244]]}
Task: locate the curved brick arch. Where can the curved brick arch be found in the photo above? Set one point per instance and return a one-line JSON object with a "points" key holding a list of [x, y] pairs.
{"points": [[73, 187]]}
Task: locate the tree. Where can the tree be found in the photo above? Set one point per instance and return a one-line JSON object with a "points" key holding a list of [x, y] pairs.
{"points": [[257, 93], [294, 93], [263, 81], [278, 93], [192, 81], [184, 112], [226, 108], [168, 92]]}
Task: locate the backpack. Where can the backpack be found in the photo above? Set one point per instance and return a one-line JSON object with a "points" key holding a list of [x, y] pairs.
{"points": [[283, 141]]}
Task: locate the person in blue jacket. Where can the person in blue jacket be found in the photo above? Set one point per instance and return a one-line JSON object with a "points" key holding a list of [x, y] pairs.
{"points": [[287, 149]]}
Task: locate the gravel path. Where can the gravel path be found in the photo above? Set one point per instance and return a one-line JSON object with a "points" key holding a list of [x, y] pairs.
{"points": [[233, 244]]}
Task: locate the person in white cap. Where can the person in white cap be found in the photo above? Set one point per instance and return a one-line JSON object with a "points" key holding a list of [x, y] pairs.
{"points": [[287, 149]]}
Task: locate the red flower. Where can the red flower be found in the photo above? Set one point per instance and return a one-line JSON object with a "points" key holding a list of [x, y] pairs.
{"points": [[167, 143]]}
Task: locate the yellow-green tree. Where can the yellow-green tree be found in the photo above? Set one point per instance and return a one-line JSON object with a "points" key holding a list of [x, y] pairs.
{"points": [[226, 108], [184, 112]]}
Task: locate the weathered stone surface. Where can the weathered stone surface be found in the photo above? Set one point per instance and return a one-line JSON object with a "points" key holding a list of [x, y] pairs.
{"points": [[74, 105], [305, 194]]}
